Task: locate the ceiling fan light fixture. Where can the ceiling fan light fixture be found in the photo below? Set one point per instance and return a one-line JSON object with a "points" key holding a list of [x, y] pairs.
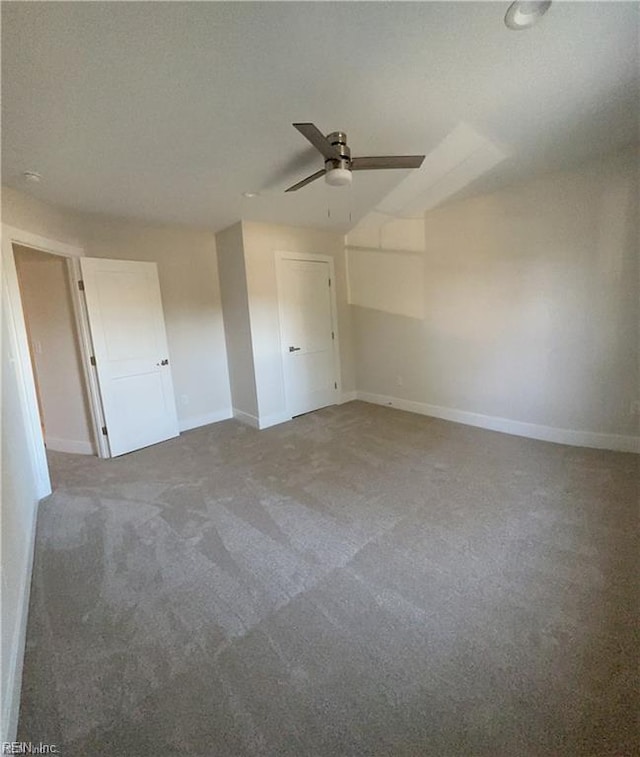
{"points": [[338, 177], [522, 14]]}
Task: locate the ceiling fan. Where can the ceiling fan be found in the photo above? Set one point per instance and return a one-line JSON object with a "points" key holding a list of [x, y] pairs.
{"points": [[338, 163]]}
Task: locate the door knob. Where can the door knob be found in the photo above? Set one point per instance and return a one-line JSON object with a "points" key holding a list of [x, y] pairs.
{"points": [[294, 349]]}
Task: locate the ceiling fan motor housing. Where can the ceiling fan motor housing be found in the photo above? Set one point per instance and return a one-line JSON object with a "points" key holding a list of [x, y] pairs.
{"points": [[338, 139]]}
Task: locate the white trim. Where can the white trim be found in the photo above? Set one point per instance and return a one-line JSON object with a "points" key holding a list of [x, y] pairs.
{"points": [[246, 418], [347, 397], [92, 386], [266, 421], [74, 446], [195, 421], [11, 703], [282, 255], [595, 439], [19, 344], [43, 244], [260, 422]]}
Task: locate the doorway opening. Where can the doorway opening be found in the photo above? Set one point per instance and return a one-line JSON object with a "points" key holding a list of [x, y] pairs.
{"points": [[21, 351], [112, 366], [44, 282]]}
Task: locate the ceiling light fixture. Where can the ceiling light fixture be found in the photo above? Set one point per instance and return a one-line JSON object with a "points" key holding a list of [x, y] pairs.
{"points": [[338, 177], [32, 176], [251, 194], [523, 13]]}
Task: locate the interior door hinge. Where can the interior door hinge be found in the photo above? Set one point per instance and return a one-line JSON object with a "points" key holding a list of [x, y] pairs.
{"points": [[335, 384], [104, 431], [329, 282], [81, 285], [92, 360], [333, 336]]}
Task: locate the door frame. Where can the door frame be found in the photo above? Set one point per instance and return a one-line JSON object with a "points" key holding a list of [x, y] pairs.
{"points": [[19, 344], [280, 257]]}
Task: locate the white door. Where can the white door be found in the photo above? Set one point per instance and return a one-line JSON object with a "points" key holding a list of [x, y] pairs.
{"points": [[130, 348], [307, 334]]}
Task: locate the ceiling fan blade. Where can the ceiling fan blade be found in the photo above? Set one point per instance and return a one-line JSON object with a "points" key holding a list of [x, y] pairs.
{"points": [[318, 140], [386, 161], [306, 181]]}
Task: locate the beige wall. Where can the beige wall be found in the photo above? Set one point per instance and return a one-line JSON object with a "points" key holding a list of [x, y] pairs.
{"points": [[46, 299], [188, 272], [531, 306], [235, 303], [379, 231], [24, 212], [388, 281]]}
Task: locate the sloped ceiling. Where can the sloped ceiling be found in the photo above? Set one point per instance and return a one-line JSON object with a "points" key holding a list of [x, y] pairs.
{"points": [[170, 111]]}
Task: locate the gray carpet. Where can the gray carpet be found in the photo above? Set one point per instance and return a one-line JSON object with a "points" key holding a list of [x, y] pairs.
{"points": [[360, 581]]}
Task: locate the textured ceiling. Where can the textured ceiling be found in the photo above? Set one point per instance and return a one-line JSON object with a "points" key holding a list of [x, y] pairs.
{"points": [[170, 111]]}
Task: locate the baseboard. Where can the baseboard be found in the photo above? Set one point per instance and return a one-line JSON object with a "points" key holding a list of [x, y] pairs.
{"points": [[195, 421], [266, 421], [617, 442], [11, 698], [69, 445], [246, 418], [260, 422], [347, 397]]}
